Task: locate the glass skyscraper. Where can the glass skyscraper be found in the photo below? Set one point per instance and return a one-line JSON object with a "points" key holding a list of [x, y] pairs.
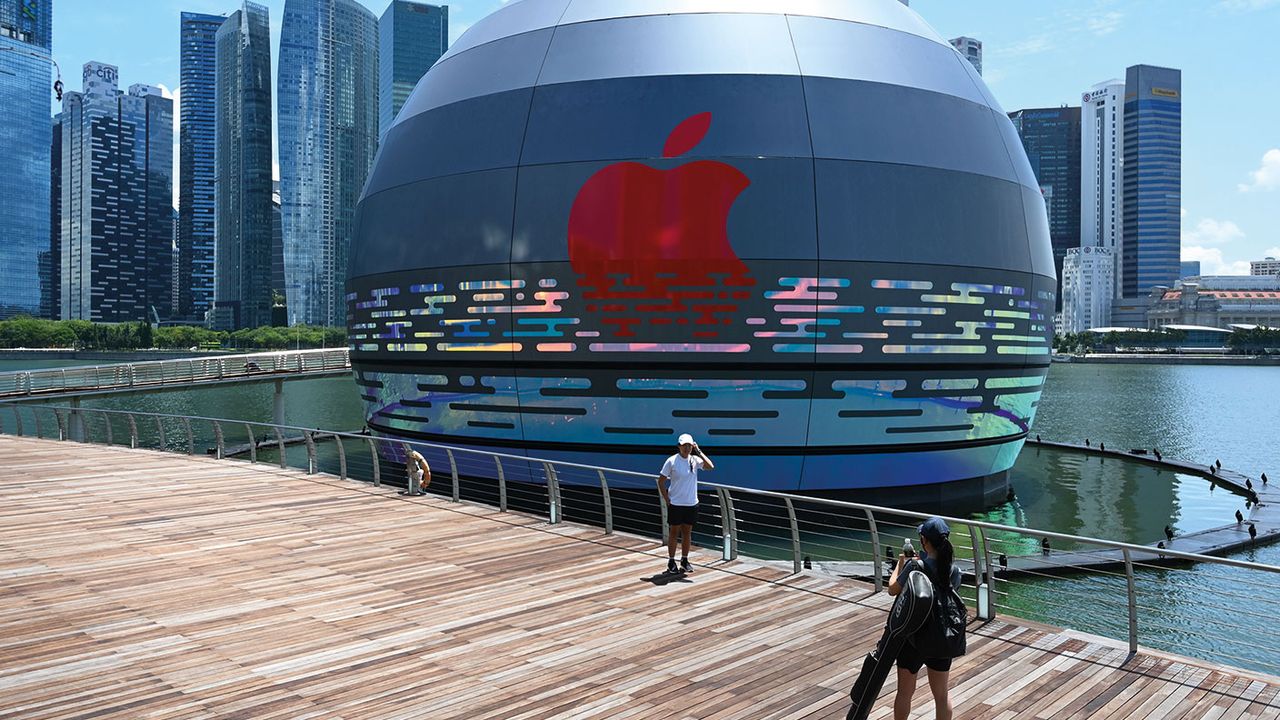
{"points": [[411, 38], [26, 78], [1152, 178], [50, 260], [117, 199], [196, 170], [242, 296], [1051, 137], [328, 101]]}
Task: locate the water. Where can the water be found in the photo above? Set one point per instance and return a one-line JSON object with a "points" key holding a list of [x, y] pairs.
{"points": [[1196, 413]]}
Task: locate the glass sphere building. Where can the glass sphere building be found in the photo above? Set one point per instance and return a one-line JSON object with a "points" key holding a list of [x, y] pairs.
{"points": [[812, 239]]}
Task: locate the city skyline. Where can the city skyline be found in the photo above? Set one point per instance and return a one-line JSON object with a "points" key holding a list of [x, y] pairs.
{"points": [[1035, 57]]}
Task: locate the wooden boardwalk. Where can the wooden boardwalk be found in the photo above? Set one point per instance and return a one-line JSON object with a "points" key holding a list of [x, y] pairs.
{"points": [[135, 584]]}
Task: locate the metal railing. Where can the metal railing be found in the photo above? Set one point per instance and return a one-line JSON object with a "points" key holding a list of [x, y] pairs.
{"points": [[1217, 608], [153, 373]]}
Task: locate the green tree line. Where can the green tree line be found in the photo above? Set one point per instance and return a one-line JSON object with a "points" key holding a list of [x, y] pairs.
{"points": [[28, 332]]}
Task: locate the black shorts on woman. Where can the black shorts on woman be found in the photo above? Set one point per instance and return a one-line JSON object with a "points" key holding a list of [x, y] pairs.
{"points": [[682, 514]]}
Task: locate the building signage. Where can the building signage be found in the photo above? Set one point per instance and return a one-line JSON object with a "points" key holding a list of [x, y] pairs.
{"points": [[1096, 95], [29, 10], [103, 72], [1161, 92]]}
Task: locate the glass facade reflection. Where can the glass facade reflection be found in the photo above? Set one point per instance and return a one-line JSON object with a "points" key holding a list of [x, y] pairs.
{"points": [[117, 200], [195, 270], [411, 38], [328, 128], [244, 216], [1051, 138], [1152, 179], [26, 78]]}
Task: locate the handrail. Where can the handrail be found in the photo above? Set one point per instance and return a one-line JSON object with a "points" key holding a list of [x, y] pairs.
{"points": [[792, 528], [155, 373]]}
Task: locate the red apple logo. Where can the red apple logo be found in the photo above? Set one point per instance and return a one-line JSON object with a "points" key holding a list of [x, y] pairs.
{"points": [[646, 240]]}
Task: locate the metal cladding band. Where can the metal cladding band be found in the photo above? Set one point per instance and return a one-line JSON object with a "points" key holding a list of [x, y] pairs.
{"points": [[847, 286]]}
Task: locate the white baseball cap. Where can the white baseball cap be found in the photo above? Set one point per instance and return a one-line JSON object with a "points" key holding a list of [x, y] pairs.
{"points": [[685, 439]]}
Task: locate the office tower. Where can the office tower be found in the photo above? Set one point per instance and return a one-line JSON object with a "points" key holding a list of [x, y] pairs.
{"points": [[117, 199], [196, 168], [971, 49], [1191, 268], [242, 158], [175, 289], [411, 37], [277, 244], [1086, 287], [1051, 137], [1152, 178], [1102, 173], [26, 80], [1269, 266], [328, 136], [51, 259]]}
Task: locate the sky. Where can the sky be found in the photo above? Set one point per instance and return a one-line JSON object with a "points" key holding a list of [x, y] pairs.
{"points": [[1036, 54]]}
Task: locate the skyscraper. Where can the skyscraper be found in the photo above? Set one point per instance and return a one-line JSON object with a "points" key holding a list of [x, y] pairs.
{"points": [[411, 37], [26, 77], [196, 164], [1051, 137], [1086, 288], [1102, 172], [51, 259], [328, 100], [971, 50], [1152, 178], [117, 198], [242, 295]]}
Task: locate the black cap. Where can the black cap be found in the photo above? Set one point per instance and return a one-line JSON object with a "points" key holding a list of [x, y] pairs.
{"points": [[934, 529]]}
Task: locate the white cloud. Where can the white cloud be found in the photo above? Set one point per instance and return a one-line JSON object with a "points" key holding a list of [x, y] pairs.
{"points": [[1267, 176], [1106, 23], [1030, 46], [1212, 232], [1272, 252], [1212, 262]]}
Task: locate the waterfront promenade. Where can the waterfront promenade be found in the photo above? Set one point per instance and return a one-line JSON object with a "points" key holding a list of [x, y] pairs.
{"points": [[139, 584]]}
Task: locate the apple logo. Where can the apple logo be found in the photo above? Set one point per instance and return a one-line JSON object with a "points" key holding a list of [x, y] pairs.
{"points": [[647, 240]]}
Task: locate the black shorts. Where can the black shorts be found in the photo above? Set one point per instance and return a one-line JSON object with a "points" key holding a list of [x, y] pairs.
{"points": [[909, 659], [682, 514]]}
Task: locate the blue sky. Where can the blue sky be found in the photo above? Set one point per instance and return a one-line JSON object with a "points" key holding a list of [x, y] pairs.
{"points": [[1037, 54]]}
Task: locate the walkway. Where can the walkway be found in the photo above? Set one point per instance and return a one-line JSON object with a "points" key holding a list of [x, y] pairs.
{"points": [[139, 584], [87, 380]]}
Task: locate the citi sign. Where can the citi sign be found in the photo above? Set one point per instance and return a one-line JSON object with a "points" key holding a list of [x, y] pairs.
{"points": [[103, 72]]}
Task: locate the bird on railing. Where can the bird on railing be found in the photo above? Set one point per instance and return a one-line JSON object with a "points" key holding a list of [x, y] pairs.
{"points": [[1218, 463], [1264, 479], [1044, 545], [1102, 446], [1248, 484], [1239, 517], [1086, 442], [1253, 532], [1159, 457], [1004, 561], [1168, 533]]}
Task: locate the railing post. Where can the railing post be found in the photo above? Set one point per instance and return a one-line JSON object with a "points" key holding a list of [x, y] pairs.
{"points": [[106, 420], [608, 504], [62, 428], [726, 537], [377, 471], [342, 458], [796, 558], [733, 524], [553, 494], [984, 593], [133, 431], [453, 472], [414, 486], [502, 485], [253, 444], [877, 564], [311, 451], [191, 438], [284, 460], [160, 432], [1133, 602], [219, 447]]}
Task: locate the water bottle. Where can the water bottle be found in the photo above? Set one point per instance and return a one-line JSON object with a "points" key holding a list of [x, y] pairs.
{"points": [[908, 549]]}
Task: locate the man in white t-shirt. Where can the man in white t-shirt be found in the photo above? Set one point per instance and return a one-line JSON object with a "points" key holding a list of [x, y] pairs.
{"points": [[678, 484]]}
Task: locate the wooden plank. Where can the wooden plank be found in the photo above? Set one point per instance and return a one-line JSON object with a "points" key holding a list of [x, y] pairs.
{"points": [[165, 586]]}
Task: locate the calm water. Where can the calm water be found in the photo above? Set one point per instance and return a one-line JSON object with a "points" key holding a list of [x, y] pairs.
{"points": [[1197, 413]]}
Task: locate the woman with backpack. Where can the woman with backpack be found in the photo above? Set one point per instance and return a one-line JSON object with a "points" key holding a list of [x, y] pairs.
{"points": [[935, 561]]}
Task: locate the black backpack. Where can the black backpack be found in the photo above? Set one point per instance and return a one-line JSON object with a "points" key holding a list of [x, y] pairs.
{"points": [[943, 633]]}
